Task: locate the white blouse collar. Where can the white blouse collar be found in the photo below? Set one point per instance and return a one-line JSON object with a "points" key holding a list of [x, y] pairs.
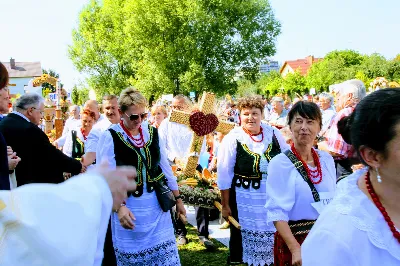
{"points": [[364, 215]]}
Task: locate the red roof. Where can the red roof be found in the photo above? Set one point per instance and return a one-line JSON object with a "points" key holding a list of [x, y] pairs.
{"points": [[303, 65]]}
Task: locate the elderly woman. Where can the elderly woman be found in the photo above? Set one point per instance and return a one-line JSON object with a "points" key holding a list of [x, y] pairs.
{"points": [[142, 233], [300, 182], [278, 114], [328, 110], [159, 113], [76, 138], [359, 227], [243, 159]]}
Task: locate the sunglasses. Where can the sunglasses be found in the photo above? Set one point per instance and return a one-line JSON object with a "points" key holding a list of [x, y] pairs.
{"points": [[134, 117]]}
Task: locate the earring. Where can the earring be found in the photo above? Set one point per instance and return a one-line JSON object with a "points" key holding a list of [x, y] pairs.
{"points": [[378, 176]]}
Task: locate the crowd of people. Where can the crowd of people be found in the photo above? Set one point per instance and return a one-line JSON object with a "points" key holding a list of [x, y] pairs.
{"points": [[311, 181]]}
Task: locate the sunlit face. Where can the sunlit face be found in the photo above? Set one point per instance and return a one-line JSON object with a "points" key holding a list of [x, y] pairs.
{"points": [[4, 101], [251, 119], [35, 114], [324, 103], [95, 109], [133, 125], [304, 130], [159, 116], [110, 109], [87, 122], [277, 107], [179, 105]]}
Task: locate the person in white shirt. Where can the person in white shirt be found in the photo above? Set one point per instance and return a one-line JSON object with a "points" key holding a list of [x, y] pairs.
{"points": [[328, 111], [361, 225], [278, 115], [72, 122], [72, 233], [301, 181], [176, 138]]}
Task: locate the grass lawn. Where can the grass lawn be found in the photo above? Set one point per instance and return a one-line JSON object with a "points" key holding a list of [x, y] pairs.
{"points": [[195, 254]]}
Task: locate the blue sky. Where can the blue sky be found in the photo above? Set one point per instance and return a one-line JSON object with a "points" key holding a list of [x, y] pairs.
{"points": [[40, 30]]}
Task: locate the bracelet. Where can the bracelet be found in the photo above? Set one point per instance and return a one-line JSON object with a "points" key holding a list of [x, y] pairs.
{"points": [[122, 204], [178, 197]]}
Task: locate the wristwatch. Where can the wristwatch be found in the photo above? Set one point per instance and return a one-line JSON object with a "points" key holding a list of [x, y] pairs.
{"points": [[178, 197]]}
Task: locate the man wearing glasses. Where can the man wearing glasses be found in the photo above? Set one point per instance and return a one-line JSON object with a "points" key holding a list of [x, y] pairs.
{"points": [[176, 138], [41, 162]]}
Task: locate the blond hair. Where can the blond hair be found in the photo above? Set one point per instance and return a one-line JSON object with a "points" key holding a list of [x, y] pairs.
{"points": [[160, 108], [129, 97]]}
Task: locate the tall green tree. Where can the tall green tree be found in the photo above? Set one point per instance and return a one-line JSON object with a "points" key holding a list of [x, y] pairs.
{"points": [[75, 95], [294, 83], [173, 46]]}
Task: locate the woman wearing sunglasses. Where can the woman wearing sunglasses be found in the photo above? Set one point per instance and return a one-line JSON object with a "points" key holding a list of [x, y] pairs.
{"points": [[142, 232]]}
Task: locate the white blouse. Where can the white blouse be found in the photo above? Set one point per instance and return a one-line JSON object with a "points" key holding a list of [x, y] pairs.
{"points": [[105, 151], [67, 148], [228, 148], [351, 231], [289, 196]]}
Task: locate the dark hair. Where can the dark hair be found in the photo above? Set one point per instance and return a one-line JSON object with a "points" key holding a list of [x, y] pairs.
{"points": [[373, 121], [3, 76], [307, 110]]}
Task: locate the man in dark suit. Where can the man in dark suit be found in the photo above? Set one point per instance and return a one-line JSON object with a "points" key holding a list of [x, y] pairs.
{"points": [[40, 162]]}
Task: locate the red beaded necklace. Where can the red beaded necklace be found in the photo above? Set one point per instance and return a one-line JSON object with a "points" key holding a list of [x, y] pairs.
{"points": [[382, 209], [253, 135], [83, 134], [314, 175], [138, 142]]}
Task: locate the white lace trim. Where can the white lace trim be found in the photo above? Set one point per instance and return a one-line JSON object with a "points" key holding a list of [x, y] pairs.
{"points": [[258, 247], [364, 215], [274, 213]]}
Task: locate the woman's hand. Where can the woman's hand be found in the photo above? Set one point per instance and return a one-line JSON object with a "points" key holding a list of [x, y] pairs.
{"points": [[126, 218], [226, 212], [180, 209], [296, 257]]}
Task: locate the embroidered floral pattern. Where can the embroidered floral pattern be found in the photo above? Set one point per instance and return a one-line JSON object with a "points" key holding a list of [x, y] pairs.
{"points": [[258, 247], [164, 254]]}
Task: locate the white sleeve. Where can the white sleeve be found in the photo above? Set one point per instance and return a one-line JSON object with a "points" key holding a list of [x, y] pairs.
{"points": [[166, 168], [67, 148], [281, 185], [92, 140], [50, 219], [226, 162], [61, 141], [105, 152], [324, 246], [163, 135]]}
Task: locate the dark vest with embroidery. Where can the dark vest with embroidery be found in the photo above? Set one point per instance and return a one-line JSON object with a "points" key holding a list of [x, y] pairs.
{"points": [[127, 154], [247, 169], [78, 147]]}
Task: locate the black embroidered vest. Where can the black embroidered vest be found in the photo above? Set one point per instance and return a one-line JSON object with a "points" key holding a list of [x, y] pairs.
{"points": [[78, 147], [247, 168], [127, 154]]}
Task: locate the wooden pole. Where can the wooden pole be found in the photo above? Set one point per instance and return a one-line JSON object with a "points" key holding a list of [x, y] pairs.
{"points": [[230, 218]]}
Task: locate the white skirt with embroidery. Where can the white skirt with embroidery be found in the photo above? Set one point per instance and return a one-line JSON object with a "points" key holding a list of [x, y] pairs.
{"points": [[257, 235], [152, 241]]}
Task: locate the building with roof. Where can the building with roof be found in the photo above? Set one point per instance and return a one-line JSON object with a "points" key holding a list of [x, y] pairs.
{"points": [[21, 73], [302, 65], [269, 66]]}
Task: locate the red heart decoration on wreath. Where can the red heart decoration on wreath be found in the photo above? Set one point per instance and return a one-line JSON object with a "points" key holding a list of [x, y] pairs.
{"points": [[203, 124]]}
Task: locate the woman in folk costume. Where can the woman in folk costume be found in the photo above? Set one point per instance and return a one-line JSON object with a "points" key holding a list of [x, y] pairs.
{"points": [[301, 182], [142, 232], [243, 159], [361, 225], [76, 138]]}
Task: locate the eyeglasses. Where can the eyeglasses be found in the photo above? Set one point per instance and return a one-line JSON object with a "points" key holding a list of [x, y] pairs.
{"points": [[134, 117], [41, 112]]}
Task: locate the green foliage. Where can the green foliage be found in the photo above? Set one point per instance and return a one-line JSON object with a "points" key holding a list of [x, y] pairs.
{"points": [[75, 95], [270, 83], [172, 46], [295, 83], [246, 88], [348, 57]]}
